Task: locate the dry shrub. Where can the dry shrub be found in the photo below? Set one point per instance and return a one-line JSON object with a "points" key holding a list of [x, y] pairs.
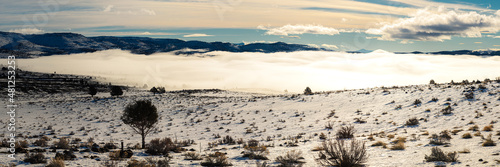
{"points": [[192, 156], [255, 151], [290, 159], [380, 143], [438, 155], [161, 146], [466, 136], [489, 142], [35, 158], [412, 122], [398, 146], [346, 132], [488, 128], [61, 144], [343, 153], [216, 159], [56, 163]]}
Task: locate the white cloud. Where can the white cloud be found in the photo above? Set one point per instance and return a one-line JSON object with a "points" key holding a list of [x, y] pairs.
{"points": [[108, 8], [478, 42], [328, 46], [496, 37], [148, 12], [197, 35], [300, 29], [438, 25], [27, 31]]}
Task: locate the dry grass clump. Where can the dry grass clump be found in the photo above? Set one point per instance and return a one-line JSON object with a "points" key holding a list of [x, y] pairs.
{"points": [[380, 143], [488, 128], [466, 136]]}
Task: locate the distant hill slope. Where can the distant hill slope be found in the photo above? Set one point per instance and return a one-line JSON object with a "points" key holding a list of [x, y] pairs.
{"points": [[67, 43], [23, 45]]}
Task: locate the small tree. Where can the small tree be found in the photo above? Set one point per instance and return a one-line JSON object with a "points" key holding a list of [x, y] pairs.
{"points": [[154, 90], [308, 91], [142, 116], [92, 91], [116, 91], [432, 82]]}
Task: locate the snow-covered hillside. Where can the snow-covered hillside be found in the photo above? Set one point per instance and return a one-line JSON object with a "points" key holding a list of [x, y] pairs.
{"points": [[276, 121]]}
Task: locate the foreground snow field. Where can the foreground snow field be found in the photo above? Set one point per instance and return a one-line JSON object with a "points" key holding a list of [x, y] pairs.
{"points": [[273, 120]]}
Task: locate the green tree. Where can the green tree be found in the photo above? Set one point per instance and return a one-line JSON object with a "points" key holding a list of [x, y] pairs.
{"points": [[142, 117]]}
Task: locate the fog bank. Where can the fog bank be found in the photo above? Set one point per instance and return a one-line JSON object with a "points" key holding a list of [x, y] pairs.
{"points": [[294, 71]]}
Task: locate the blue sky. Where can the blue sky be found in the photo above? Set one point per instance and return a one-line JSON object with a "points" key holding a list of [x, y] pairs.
{"points": [[392, 25]]}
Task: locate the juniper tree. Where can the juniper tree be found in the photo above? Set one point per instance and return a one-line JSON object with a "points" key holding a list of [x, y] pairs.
{"points": [[142, 117], [92, 91], [116, 91]]}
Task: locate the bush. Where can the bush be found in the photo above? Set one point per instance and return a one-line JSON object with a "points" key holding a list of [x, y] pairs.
{"points": [[466, 136], [474, 128], [412, 122], [119, 154], [342, 154], [66, 155], [398, 146], [488, 128], [417, 102], [40, 142], [56, 163], [228, 140], [469, 95], [149, 163], [441, 139], [488, 142], [346, 132], [438, 155], [380, 143], [255, 151], [35, 158], [161, 146], [192, 156], [447, 110], [216, 159], [290, 159], [116, 91], [61, 144]]}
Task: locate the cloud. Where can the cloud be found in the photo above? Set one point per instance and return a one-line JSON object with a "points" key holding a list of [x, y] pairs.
{"points": [[300, 29], [148, 12], [329, 46], [27, 31], [276, 71], [197, 35], [478, 42], [108, 8], [438, 25]]}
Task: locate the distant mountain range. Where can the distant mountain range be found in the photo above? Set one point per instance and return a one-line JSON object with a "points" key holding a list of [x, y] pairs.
{"points": [[66, 43], [24, 45]]}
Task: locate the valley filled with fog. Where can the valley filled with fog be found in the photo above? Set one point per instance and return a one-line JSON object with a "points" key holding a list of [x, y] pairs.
{"points": [[268, 72]]}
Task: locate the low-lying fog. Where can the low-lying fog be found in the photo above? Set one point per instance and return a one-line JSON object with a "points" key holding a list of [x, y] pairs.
{"points": [[277, 72]]}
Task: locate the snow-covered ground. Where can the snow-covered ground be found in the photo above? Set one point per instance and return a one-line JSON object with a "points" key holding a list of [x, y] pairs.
{"points": [[274, 120]]}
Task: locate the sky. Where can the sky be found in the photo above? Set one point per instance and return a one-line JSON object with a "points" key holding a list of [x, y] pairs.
{"points": [[344, 25]]}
